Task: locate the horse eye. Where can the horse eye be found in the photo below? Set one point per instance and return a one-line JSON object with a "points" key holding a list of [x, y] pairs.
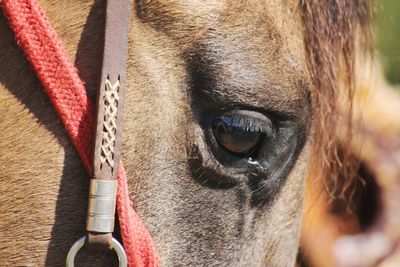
{"points": [[237, 136]]}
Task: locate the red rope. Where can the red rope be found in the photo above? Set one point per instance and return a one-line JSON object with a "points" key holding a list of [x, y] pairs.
{"points": [[61, 82]]}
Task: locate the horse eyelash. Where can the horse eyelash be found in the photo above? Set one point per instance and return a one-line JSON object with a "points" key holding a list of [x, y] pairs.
{"points": [[247, 124]]}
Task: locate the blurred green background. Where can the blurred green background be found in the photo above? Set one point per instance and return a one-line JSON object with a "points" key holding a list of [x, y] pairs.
{"points": [[387, 37]]}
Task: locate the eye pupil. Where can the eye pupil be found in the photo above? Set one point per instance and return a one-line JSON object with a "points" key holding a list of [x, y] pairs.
{"points": [[237, 141]]}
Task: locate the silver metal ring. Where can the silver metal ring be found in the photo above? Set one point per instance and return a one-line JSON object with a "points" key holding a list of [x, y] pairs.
{"points": [[119, 249]]}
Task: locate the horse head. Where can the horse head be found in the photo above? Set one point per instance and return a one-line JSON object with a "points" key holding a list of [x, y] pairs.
{"points": [[228, 105]]}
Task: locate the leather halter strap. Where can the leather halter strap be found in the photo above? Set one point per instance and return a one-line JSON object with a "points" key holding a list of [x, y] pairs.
{"points": [[110, 105], [61, 82]]}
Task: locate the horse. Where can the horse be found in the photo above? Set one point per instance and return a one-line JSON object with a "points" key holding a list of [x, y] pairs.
{"points": [[229, 106]]}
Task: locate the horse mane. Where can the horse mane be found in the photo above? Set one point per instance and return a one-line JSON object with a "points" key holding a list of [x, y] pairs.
{"points": [[334, 29]]}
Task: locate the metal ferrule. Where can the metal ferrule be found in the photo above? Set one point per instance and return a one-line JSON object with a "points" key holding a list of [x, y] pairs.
{"points": [[102, 199]]}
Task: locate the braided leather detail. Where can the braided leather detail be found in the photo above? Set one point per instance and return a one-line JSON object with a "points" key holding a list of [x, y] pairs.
{"points": [[111, 98]]}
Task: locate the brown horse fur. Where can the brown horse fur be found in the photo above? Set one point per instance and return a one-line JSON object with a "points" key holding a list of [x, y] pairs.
{"points": [[268, 55]]}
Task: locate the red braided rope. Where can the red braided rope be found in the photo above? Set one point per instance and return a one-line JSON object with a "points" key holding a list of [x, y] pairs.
{"points": [[61, 82]]}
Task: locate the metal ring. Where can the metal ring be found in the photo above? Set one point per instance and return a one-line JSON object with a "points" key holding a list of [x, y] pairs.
{"points": [[119, 249]]}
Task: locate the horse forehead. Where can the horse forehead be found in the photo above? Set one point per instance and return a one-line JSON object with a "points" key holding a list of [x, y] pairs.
{"points": [[201, 12], [257, 37], [248, 25]]}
